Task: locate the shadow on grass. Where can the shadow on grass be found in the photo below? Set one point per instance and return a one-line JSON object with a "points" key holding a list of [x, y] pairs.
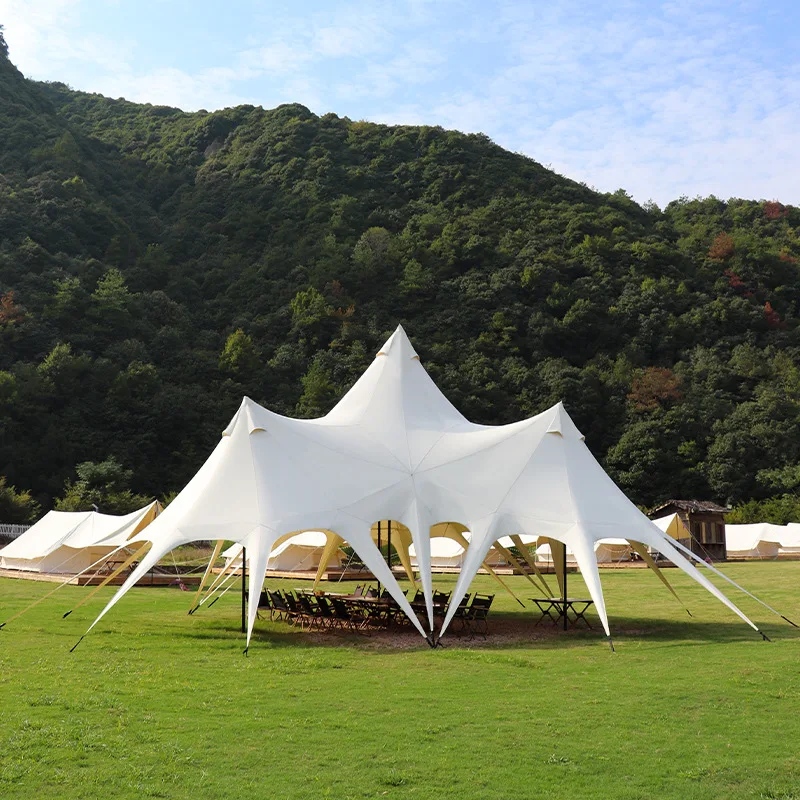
{"points": [[506, 630]]}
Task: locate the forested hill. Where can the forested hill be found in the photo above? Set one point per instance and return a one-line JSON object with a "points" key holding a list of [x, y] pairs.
{"points": [[157, 265]]}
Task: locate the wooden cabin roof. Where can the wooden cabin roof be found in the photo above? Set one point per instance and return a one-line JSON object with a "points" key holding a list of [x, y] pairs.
{"points": [[692, 506]]}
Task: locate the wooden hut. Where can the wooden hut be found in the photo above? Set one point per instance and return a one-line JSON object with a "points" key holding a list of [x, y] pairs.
{"points": [[704, 520]]}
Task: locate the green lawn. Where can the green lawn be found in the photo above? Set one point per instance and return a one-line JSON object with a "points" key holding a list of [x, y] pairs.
{"points": [[155, 703]]}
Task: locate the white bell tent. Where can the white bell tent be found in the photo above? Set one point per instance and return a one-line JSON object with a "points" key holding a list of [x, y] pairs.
{"points": [[301, 553], [754, 540], [394, 448], [70, 542], [445, 554], [606, 551], [790, 543]]}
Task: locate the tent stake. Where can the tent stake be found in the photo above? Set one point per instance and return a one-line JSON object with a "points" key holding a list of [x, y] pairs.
{"points": [[72, 649], [244, 594], [611, 645], [765, 637]]}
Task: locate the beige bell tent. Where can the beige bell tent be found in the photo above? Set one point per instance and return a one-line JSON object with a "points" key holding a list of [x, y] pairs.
{"points": [[394, 448], [673, 526], [69, 542]]}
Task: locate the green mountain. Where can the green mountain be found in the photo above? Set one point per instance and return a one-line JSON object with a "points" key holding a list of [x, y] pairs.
{"points": [[157, 265]]}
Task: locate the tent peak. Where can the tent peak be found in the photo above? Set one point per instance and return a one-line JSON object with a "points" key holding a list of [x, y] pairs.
{"points": [[398, 345], [561, 423]]}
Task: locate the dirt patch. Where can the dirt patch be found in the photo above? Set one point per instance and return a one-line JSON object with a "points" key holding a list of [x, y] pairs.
{"points": [[502, 633]]}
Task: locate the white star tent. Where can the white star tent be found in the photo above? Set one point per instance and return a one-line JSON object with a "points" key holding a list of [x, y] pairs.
{"points": [[69, 542], [394, 448]]}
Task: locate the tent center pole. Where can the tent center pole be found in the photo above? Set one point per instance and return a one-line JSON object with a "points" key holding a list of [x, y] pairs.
{"points": [[389, 545], [564, 586], [244, 593], [379, 549]]}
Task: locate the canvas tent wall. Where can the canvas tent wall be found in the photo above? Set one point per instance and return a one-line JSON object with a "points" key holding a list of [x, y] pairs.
{"points": [[69, 542], [790, 541], [756, 540], [394, 448], [300, 553], [445, 554], [606, 551]]}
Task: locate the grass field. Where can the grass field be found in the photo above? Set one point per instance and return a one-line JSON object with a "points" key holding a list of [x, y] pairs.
{"points": [[158, 704]]}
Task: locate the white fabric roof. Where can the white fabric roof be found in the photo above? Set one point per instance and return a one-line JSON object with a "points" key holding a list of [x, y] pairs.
{"points": [[395, 448], [76, 529]]}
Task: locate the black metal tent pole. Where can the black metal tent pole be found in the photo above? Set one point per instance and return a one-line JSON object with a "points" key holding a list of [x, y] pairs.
{"points": [[379, 549], [244, 593], [389, 545], [564, 586]]}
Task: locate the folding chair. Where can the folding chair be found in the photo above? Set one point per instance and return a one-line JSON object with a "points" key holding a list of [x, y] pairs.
{"points": [[460, 614], [477, 614]]}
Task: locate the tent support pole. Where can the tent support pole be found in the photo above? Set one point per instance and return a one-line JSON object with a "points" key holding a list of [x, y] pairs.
{"points": [[70, 579], [389, 545], [200, 588], [124, 565], [244, 593], [379, 549], [531, 562], [564, 587]]}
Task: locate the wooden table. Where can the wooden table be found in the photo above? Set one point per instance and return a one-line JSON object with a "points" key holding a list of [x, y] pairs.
{"points": [[557, 608]]}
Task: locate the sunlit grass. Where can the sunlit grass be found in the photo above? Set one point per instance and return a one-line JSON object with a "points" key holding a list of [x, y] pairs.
{"points": [[155, 703]]}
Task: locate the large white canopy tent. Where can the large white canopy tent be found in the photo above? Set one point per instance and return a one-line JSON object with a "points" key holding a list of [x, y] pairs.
{"points": [[394, 448], [70, 542]]}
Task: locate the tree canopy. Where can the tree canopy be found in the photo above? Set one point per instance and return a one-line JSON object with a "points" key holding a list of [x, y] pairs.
{"points": [[157, 265]]}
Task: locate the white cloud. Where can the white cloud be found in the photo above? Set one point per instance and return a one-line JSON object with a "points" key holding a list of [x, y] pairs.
{"points": [[663, 100]]}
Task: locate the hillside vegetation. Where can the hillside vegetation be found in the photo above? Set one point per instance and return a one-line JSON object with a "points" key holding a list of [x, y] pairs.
{"points": [[157, 265]]}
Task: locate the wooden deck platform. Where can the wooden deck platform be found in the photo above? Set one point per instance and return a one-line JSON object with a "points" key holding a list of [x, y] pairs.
{"points": [[151, 579], [311, 574]]}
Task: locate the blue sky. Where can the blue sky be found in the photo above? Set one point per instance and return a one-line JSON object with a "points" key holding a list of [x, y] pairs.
{"points": [[663, 99]]}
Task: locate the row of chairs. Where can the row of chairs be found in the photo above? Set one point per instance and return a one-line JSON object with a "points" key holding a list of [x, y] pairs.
{"points": [[332, 612], [310, 611]]}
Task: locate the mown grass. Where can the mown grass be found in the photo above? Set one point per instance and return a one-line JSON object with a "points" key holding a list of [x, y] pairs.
{"points": [[158, 704]]}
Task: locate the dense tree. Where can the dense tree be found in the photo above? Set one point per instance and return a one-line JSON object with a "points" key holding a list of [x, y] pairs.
{"points": [[101, 487], [157, 265], [17, 507]]}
